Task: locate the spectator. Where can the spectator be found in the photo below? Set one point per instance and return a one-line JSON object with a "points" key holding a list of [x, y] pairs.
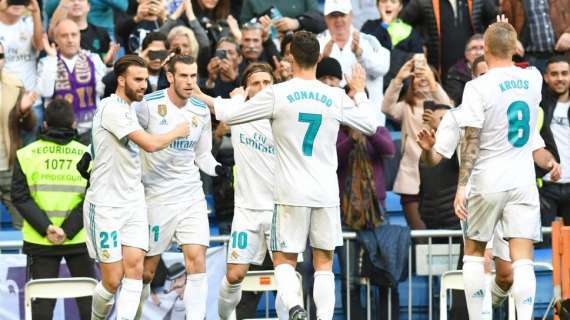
{"points": [[15, 117], [256, 45], [223, 73], [101, 13], [342, 42], [21, 36], [212, 15], [395, 35], [423, 87], [448, 26], [329, 72], [93, 38], [51, 201], [438, 184], [72, 74], [555, 196], [362, 11], [196, 35], [479, 67], [154, 51], [286, 15], [150, 17], [460, 73], [542, 27], [183, 38]]}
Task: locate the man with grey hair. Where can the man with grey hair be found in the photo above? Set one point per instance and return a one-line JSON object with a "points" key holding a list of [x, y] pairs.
{"points": [[72, 74], [344, 43]]}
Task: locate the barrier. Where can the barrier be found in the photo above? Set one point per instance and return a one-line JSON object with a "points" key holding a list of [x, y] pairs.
{"points": [[350, 236]]}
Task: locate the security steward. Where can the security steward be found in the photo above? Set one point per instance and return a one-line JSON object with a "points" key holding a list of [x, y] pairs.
{"points": [[48, 191]]}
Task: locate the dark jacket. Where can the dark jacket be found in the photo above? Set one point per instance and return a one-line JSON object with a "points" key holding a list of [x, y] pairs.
{"points": [[548, 104], [457, 76], [399, 54], [421, 14], [36, 217], [387, 251]]}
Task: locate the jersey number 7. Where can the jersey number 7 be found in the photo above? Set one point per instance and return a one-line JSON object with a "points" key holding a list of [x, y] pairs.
{"points": [[314, 121]]}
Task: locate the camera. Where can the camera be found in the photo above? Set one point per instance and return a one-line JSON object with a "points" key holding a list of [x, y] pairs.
{"points": [[221, 54], [157, 55]]}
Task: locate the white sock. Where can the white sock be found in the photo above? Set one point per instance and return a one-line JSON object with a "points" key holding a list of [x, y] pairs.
{"points": [[282, 311], [228, 299], [498, 295], [195, 296], [102, 302], [487, 311], [144, 296], [129, 298], [324, 294], [524, 288], [288, 286], [474, 282]]}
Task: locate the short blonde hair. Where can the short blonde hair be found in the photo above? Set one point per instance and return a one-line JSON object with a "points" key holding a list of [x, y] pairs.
{"points": [[185, 32], [501, 40]]}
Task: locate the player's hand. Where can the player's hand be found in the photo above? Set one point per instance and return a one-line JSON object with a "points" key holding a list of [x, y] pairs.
{"points": [[488, 262], [563, 43], [426, 139], [327, 49], [355, 45], [240, 91], [182, 129], [357, 80], [460, 203], [287, 24], [555, 170]]}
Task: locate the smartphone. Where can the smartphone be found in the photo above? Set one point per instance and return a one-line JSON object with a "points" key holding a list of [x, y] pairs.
{"points": [[157, 55], [275, 14], [18, 2], [419, 61], [221, 54], [429, 105]]}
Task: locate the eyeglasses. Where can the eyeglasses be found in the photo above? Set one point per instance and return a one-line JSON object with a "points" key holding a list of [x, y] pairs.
{"points": [[476, 48]]}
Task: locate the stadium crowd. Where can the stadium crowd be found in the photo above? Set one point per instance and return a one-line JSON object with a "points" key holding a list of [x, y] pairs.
{"points": [[418, 56]]}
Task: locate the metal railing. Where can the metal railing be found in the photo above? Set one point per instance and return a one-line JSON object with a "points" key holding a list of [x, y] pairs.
{"points": [[350, 236]]}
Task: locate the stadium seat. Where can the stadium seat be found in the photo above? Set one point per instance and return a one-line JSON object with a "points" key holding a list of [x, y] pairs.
{"points": [[54, 288], [264, 281]]}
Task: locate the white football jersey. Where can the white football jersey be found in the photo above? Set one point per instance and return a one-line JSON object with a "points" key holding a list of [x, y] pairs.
{"points": [[171, 175], [305, 116], [448, 134], [504, 104], [254, 155], [116, 176]]}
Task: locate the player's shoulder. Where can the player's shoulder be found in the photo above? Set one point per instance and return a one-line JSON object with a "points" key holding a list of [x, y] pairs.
{"points": [[197, 106], [155, 97]]}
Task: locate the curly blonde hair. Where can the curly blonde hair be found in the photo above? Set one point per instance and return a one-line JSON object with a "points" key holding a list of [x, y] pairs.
{"points": [[182, 31]]}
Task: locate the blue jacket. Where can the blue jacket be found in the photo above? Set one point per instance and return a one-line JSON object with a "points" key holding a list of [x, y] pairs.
{"points": [[387, 250]]}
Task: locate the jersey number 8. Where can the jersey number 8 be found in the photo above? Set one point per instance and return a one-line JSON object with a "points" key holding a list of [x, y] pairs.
{"points": [[314, 120], [518, 115]]}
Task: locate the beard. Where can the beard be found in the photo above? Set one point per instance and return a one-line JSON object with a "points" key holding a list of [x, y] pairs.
{"points": [[132, 94], [181, 93]]}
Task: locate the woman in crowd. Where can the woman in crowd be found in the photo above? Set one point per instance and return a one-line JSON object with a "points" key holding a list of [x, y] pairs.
{"points": [[423, 87]]}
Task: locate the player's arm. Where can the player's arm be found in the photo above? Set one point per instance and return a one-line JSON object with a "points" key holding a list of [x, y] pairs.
{"points": [[426, 141], [469, 147], [156, 142], [204, 158], [361, 116], [544, 158], [236, 110]]}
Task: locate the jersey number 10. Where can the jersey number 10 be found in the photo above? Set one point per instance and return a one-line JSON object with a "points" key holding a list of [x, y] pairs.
{"points": [[314, 120], [518, 115]]}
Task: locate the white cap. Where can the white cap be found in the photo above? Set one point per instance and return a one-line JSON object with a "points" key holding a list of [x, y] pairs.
{"points": [[342, 6]]}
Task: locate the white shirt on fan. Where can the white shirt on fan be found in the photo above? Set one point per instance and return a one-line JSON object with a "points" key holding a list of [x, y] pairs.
{"points": [[172, 175], [20, 55], [305, 116], [504, 103]]}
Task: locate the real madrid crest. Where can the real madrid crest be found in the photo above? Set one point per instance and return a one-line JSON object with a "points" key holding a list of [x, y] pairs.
{"points": [[194, 122], [162, 110]]}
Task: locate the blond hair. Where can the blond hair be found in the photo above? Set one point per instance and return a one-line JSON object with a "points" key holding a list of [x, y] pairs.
{"points": [[501, 40], [185, 32]]}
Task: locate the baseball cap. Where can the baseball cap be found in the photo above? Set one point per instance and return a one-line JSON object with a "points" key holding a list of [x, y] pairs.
{"points": [[342, 6]]}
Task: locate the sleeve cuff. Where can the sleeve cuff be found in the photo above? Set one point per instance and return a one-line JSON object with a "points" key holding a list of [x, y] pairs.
{"points": [[360, 97]]}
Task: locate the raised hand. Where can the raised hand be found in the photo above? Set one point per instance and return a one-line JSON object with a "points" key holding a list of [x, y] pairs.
{"points": [[426, 139], [357, 80], [48, 48], [328, 49], [355, 45], [27, 101], [110, 56]]}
